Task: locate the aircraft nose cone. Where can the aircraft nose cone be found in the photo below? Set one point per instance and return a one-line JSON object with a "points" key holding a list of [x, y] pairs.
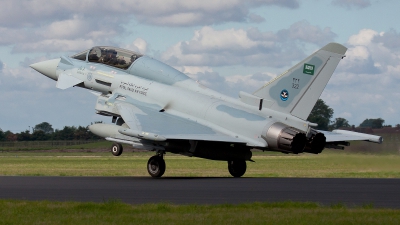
{"points": [[47, 68]]}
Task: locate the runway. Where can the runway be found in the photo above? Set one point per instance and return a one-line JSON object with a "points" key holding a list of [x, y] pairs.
{"points": [[136, 190]]}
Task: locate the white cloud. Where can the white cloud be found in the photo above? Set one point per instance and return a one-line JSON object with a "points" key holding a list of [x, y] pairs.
{"points": [[161, 13], [190, 70], [138, 45], [11, 36], [211, 47], [70, 28], [366, 82], [359, 60], [389, 39], [304, 31], [363, 102], [255, 18], [53, 26], [363, 37], [352, 3], [23, 78], [55, 45], [371, 51], [62, 35], [207, 39]]}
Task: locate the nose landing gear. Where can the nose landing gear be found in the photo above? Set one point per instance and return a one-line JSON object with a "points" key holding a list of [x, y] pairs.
{"points": [[116, 149]]}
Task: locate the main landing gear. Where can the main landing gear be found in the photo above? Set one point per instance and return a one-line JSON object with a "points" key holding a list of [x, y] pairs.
{"points": [[237, 168], [116, 149], [156, 165]]}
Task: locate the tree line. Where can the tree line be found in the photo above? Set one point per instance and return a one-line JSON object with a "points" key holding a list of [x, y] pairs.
{"points": [[322, 114], [45, 132]]}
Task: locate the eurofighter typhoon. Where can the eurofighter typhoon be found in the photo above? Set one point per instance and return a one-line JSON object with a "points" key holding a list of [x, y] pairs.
{"points": [[157, 108]]}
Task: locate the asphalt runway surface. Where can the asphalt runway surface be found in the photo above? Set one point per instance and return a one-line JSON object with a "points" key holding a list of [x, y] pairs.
{"points": [[188, 190]]}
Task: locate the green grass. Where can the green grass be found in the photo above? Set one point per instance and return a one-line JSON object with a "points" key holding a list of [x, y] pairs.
{"points": [[115, 212], [327, 164], [390, 145], [50, 145], [88, 162]]}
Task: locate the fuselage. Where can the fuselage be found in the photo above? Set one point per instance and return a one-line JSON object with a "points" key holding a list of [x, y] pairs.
{"points": [[123, 76], [149, 81]]}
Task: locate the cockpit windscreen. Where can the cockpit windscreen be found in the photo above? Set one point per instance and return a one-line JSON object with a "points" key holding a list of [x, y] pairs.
{"points": [[115, 57]]}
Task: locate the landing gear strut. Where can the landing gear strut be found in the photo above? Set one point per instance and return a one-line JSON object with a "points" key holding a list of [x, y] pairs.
{"points": [[116, 149], [237, 167], [156, 165]]}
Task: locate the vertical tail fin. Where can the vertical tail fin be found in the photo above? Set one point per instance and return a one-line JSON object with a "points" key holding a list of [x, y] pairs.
{"points": [[297, 90]]}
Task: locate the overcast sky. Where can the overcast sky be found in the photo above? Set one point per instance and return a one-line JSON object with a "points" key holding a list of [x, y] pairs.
{"points": [[229, 45]]}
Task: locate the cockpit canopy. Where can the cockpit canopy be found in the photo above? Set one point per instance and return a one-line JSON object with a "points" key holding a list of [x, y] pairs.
{"points": [[115, 57]]}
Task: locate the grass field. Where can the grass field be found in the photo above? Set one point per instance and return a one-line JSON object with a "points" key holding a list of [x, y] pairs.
{"points": [[93, 159], [115, 212], [130, 163], [51, 145]]}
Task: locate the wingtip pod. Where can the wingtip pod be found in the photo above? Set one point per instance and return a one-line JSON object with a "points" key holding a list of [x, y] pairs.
{"points": [[368, 137], [335, 48]]}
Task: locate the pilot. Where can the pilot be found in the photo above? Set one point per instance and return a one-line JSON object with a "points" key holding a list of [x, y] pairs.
{"points": [[94, 54], [121, 62], [111, 57]]}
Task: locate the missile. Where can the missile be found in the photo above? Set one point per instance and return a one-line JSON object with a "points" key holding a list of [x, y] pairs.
{"points": [[141, 134], [109, 129], [121, 132], [138, 145]]}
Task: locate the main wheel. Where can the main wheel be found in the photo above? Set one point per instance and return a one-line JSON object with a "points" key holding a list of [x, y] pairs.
{"points": [[156, 166], [116, 149], [237, 167]]}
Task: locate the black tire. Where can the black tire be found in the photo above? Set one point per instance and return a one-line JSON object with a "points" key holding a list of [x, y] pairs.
{"points": [[237, 168], [116, 149], [156, 166]]}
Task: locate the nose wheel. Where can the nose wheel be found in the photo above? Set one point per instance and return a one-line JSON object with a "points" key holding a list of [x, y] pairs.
{"points": [[116, 149], [237, 168], [156, 166]]}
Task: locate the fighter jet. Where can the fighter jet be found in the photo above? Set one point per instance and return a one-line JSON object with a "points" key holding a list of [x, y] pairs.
{"points": [[155, 107]]}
